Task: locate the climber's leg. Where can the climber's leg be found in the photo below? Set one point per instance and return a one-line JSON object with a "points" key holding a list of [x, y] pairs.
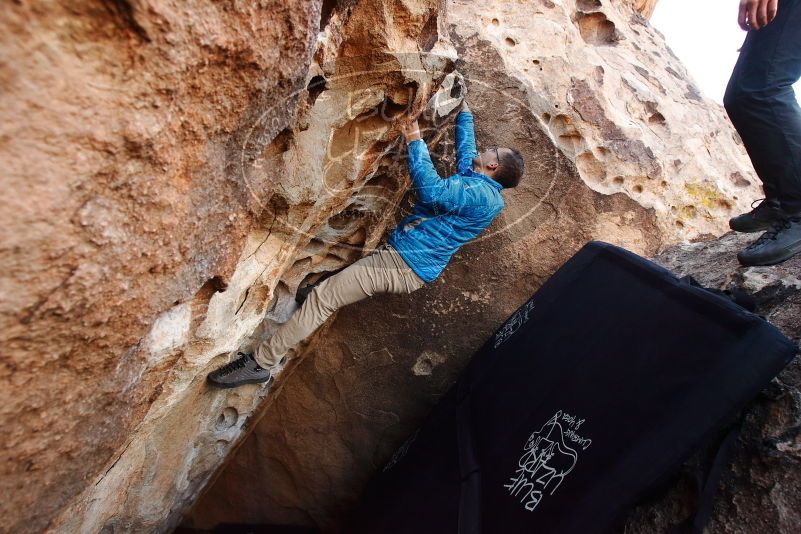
{"points": [[383, 271]]}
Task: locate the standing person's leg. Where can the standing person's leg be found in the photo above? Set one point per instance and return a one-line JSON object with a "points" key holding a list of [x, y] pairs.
{"points": [[763, 108], [383, 271]]}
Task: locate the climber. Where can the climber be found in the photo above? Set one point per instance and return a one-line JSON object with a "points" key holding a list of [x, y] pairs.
{"points": [[448, 214], [763, 108]]}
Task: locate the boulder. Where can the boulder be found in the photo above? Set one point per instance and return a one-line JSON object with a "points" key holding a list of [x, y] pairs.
{"points": [[173, 170], [619, 146]]}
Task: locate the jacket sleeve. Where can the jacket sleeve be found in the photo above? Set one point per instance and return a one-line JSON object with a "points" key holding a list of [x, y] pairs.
{"points": [[465, 141], [431, 189]]}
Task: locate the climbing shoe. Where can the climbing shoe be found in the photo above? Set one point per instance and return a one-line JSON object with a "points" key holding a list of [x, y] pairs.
{"points": [[780, 243], [758, 219], [243, 370], [303, 293]]}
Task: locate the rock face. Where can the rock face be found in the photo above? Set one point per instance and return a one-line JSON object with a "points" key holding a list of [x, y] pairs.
{"points": [[619, 146], [173, 170]]}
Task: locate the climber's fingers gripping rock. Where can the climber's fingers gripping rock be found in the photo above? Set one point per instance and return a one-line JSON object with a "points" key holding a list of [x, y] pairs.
{"points": [[411, 130]]}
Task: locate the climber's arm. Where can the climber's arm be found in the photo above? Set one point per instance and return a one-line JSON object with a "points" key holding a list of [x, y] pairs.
{"points": [[431, 189], [465, 140]]}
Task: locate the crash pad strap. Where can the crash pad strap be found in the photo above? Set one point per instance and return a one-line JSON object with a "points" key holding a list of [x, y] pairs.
{"points": [[469, 468], [708, 482]]}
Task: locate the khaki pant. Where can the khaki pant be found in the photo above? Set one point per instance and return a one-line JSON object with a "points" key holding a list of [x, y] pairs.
{"points": [[382, 271]]}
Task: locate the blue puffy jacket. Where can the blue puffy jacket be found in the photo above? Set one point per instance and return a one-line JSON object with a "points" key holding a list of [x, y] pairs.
{"points": [[448, 212]]}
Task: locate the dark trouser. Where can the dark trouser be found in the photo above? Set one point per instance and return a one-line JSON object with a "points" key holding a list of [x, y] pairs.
{"points": [[763, 108]]}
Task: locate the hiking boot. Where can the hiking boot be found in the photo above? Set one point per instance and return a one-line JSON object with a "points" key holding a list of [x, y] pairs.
{"points": [[758, 219], [243, 370], [780, 243]]}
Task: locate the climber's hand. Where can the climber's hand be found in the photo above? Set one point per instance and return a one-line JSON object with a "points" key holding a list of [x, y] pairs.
{"points": [[411, 131], [756, 14]]}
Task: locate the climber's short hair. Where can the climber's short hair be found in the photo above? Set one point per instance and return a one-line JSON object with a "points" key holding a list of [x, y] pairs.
{"points": [[510, 168]]}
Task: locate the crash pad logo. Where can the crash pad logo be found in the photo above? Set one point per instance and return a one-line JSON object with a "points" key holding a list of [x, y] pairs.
{"points": [[513, 324], [549, 455]]}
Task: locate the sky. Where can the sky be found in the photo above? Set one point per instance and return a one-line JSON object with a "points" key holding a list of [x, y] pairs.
{"points": [[705, 36]]}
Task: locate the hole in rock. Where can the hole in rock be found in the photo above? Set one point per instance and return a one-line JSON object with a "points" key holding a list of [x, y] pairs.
{"points": [[570, 142], [347, 217], [739, 180], [200, 302], [280, 294], [216, 284], [509, 41], [315, 88], [333, 259], [598, 73], [588, 5], [637, 188], [495, 22], [301, 265], [379, 182], [314, 246], [357, 241], [590, 168], [387, 110], [456, 90], [279, 145], [562, 126], [226, 419], [376, 150], [596, 29], [656, 118], [326, 12], [693, 93], [123, 13], [428, 35]]}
